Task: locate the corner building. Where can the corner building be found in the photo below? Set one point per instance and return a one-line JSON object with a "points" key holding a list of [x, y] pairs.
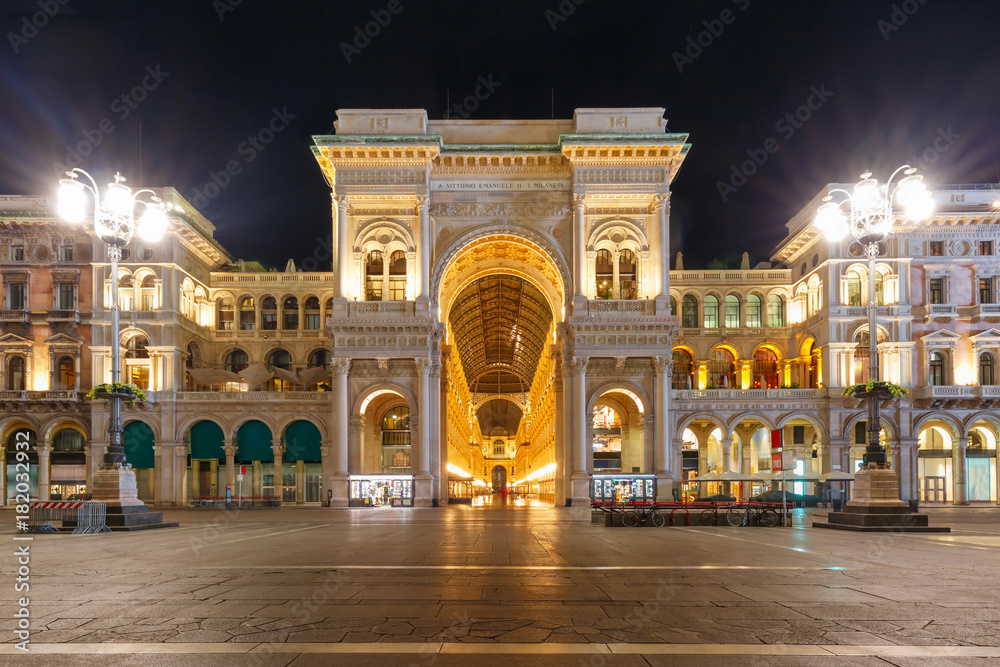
{"points": [[495, 280]]}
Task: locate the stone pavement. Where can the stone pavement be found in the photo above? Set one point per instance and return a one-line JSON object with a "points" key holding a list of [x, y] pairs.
{"points": [[460, 585]]}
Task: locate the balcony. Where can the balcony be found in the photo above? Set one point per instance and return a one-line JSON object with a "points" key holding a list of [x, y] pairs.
{"points": [[18, 316], [984, 310], [363, 308], [63, 315], [266, 334], [240, 396], [45, 396], [621, 307], [950, 396], [298, 278], [747, 394]]}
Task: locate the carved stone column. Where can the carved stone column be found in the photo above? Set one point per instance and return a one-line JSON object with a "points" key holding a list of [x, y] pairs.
{"points": [[664, 458], [662, 204], [907, 468], [562, 467], [960, 470], [180, 474], [422, 496], [579, 252], [423, 252], [648, 425], [336, 472], [279, 470], [343, 245], [230, 451], [616, 283], [43, 451], [582, 450]]}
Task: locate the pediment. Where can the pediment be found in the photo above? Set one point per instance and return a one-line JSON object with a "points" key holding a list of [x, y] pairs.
{"points": [[63, 339], [940, 336], [988, 337], [13, 339]]}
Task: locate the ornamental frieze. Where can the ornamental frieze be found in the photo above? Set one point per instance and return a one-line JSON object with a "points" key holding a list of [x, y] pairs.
{"points": [[379, 177], [621, 176], [499, 209]]}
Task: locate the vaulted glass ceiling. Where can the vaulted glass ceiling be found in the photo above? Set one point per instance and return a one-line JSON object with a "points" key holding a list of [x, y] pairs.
{"points": [[500, 324]]}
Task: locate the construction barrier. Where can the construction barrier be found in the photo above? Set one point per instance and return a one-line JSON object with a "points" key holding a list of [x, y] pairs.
{"points": [[42, 513], [92, 517]]}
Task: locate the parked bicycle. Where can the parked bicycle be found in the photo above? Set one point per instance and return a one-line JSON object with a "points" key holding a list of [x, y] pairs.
{"points": [[762, 515], [640, 515], [710, 517]]}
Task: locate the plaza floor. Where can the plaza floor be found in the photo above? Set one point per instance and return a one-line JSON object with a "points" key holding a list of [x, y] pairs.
{"points": [[505, 585]]}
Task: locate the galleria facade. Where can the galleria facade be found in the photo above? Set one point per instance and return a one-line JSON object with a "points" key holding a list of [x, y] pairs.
{"points": [[501, 313]]}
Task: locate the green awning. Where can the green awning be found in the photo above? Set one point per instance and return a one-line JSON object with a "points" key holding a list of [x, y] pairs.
{"points": [[137, 438]]}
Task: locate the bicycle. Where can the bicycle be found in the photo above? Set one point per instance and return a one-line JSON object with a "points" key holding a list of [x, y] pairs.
{"points": [[639, 515], [762, 515], [710, 517]]}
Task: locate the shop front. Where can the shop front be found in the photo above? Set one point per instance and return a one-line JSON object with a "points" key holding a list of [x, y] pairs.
{"points": [[381, 491], [623, 488]]}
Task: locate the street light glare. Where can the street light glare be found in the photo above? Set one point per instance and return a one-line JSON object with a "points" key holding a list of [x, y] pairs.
{"points": [[921, 207], [830, 220], [118, 199], [153, 223], [72, 201]]}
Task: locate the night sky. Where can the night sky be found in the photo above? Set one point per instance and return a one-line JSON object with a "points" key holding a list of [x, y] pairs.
{"points": [[888, 83]]}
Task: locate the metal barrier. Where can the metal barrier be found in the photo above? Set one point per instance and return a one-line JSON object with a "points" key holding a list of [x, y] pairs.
{"points": [[687, 516], [42, 513], [92, 517]]}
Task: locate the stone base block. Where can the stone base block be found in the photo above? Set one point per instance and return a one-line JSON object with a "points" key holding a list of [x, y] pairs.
{"points": [[877, 518]]}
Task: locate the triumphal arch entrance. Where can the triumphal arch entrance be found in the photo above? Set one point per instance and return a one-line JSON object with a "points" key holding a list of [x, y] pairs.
{"points": [[501, 307]]}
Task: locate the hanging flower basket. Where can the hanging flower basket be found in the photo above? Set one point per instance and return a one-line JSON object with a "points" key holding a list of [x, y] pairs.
{"points": [[880, 390], [122, 390]]}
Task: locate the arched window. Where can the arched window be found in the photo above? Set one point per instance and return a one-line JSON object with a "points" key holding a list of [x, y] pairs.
{"points": [[15, 373], [689, 312], [986, 369], [604, 274], [753, 312], [236, 361], [320, 359], [673, 306], [683, 369], [498, 447], [66, 370], [711, 312], [290, 314], [879, 289], [397, 276], [126, 292], [812, 379], [853, 296], [775, 312], [67, 440], [721, 370], [311, 311], [373, 276], [147, 293], [765, 369], [137, 363], [135, 348], [936, 370], [732, 311], [248, 315], [269, 314], [192, 360], [283, 360], [627, 275], [225, 314], [396, 440]]}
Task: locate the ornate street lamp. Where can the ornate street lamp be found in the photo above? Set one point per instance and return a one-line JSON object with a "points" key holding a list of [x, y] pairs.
{"points": [[867, 214], [114, 224]]}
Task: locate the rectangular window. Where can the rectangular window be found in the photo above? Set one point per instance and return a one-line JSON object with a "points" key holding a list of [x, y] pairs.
{"points": [[312, 321], [146, 301], [753, 312], [985, 290], [861, 433], [17, 296], [935, 248], [986, 247], [935, 290], [397, 289], [65, 253], [798, 435], [17, 253], [65, 299]]}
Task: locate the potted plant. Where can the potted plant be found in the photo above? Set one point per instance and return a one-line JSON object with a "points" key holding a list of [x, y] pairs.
{"points": [[122, 390], [879, 389]]}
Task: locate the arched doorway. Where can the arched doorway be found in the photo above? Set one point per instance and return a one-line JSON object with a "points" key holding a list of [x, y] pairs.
{"points": [[501, 295], [302, 478], [137, 439], [498, 479], [207, 455]]}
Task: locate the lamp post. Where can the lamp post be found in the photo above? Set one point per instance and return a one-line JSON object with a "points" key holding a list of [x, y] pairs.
{"points": [[114, 224], [867, 214]]}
